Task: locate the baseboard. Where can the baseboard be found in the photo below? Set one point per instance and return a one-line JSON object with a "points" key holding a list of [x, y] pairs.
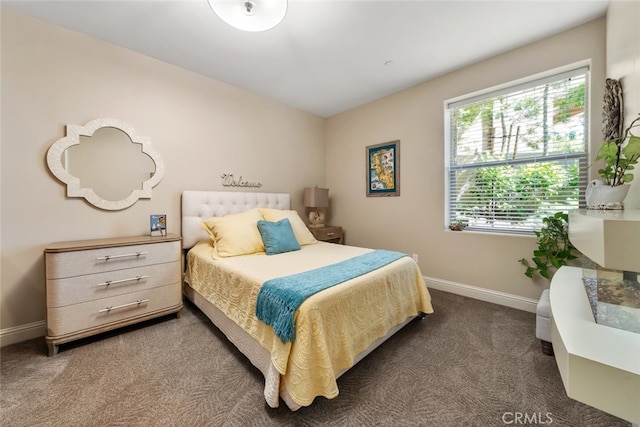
{"points": [[496, 297], [21, 333]]}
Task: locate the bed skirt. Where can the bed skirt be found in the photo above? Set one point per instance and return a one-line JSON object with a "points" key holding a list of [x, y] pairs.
{"points": [[258, 355]]}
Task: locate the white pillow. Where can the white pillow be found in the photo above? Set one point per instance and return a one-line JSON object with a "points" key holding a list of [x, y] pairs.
{"points": [[235, 234], [302, 233]]}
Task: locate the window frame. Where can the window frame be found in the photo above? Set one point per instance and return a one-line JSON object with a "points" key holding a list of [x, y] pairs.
{"points": [[552, 75]]}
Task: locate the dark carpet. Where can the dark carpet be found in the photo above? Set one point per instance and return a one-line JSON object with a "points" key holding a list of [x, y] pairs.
{"points": [[471, 363]]}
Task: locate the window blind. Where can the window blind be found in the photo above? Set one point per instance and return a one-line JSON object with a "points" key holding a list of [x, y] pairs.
{"points": [[517, 154]]}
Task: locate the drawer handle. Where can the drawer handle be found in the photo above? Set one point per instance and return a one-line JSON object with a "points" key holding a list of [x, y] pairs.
{"points": [[108, 257], [108, 309], [330, 234], [130, 279]]}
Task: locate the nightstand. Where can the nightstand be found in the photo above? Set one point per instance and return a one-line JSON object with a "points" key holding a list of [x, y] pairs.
{"points": [[328, 233]]}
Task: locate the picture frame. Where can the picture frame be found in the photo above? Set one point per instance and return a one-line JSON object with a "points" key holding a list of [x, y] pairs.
{"points": [[383, 169], [158, 225]]}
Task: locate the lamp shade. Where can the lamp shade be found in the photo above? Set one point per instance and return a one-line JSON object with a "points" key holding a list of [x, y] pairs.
{"points": [[250, 15], [315, 197]]}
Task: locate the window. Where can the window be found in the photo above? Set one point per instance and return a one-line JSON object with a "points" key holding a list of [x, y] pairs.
{"points": [[517, 153]]}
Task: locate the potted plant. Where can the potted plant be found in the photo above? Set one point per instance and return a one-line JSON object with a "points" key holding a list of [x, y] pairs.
{"points": [[620, 155], [457, 225], [554, 248]]}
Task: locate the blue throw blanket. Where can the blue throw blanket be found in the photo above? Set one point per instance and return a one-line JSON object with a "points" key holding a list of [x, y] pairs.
{"points": [[279, 298]]}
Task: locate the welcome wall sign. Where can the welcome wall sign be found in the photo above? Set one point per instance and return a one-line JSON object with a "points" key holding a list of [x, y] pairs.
{"points": [[228, 180]]}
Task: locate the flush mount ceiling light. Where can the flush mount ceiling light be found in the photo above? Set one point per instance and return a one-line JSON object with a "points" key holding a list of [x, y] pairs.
{"points": [[250, 15]]}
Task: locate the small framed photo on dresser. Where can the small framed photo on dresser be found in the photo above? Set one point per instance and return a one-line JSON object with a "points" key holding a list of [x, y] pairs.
{"points": [[158, 225]]}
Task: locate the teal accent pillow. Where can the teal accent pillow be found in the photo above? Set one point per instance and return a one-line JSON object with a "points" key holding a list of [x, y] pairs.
{"points": [[278, 236]]}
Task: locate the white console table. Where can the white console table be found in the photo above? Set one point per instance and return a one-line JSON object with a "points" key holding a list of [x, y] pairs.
{"points": [[599, 365]]}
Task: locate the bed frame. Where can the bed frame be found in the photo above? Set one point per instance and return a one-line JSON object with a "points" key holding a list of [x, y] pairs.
{"points": [[198, 206]]}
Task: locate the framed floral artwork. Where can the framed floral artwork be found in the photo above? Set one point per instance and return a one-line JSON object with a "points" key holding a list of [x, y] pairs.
{"points": [[383, 169]]}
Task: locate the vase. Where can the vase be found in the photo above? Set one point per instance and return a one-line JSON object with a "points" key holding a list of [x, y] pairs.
{"points": [[602, 196]]}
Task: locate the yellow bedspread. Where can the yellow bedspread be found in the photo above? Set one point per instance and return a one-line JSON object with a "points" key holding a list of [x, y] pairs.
{"points": [[332, 326]]}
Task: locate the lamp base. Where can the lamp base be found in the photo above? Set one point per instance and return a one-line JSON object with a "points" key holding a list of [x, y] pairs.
{"points": [[316, 219]]}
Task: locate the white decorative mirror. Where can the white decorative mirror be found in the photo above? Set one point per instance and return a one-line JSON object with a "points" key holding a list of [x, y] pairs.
{"points": [[107, 163]]}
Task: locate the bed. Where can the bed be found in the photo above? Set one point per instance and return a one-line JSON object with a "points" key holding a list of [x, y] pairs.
{"points": [[333, 329]]}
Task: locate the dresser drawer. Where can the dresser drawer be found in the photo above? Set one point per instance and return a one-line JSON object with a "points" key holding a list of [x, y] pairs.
{"points": [[74, 319], [77, 289], [90, 261]]}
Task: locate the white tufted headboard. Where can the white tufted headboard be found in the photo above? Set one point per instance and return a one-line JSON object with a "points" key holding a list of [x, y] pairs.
{"points": [[198, 206]]}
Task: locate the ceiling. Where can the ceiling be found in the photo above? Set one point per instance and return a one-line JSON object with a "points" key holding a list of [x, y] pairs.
{"points": [[327, 56]]}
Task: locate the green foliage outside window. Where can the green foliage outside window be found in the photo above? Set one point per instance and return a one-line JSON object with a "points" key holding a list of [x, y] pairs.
{"points": [[512, 193]]}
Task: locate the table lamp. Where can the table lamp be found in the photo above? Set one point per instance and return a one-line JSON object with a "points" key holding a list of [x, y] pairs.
{"points": [[317, 199]]}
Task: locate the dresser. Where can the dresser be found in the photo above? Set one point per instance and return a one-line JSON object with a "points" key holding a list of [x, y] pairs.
{"points": [[94, 286]]}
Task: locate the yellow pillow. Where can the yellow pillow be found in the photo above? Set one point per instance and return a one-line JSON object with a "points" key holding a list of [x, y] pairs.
{"points": [[302, 233], [235, 234]]}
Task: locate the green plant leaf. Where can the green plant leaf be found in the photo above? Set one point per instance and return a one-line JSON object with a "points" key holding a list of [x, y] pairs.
{"points": [[632, 148], [620, 156], [554, 248], [608, 151]]}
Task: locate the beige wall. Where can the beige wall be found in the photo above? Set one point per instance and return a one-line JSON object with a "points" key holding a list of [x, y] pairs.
{"points": [[414, 222], [201, 128], [623, 63]]}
